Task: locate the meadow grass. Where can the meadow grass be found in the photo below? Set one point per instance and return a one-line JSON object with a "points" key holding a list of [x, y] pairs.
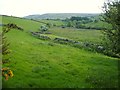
{"points": [[99, 24], [84, 35], [44, 64], [28, 25]]}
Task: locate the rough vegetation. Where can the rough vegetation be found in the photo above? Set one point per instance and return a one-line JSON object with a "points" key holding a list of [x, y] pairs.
{"points": [[112, 36], [6, 72]]}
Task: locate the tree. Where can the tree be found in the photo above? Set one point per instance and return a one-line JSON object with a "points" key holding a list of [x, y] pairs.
{"points": [[43, 28], [112, 16], [69, 24]]}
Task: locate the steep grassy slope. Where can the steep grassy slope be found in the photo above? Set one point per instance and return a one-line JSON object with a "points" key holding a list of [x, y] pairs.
{"points": [[28, 25], [38, 63]]}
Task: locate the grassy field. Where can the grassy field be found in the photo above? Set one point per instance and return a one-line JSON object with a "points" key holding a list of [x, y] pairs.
{"points": [[78, 34], [43, 64], [28, 25], [98, 24], [53, 22]]}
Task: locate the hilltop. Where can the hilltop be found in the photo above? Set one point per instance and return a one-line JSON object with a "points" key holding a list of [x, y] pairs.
{"points": [[59, 15]]}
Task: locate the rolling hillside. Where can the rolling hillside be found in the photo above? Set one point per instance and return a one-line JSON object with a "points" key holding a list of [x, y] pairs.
{"points": [[59, 15], [40, 63], [24, 23]]}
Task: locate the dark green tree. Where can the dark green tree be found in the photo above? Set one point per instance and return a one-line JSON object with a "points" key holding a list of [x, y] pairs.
{"points": [[112, 36], [69, 24]]}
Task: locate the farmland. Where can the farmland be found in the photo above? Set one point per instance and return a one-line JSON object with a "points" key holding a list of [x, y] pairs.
{"points": [[78, 34], [38, 63]]}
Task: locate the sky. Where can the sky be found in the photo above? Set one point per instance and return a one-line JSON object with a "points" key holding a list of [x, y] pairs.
{"points": [[22, 8]]}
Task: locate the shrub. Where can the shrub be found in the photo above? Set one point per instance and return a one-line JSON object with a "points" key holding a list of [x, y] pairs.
{"points": [[43, 28]]}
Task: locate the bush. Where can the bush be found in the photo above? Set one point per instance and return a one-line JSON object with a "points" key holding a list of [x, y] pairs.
{"points": [[43, 28]]}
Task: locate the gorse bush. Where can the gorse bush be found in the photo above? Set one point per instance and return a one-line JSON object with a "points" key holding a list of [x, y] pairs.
{"points": [[5, 48]]}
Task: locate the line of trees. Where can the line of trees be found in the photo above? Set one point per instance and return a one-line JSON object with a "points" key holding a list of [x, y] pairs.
{"points": [[83, 23]]}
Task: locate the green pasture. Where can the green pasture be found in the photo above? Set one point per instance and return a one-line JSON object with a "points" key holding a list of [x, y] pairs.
{"points": [[44, 64]]}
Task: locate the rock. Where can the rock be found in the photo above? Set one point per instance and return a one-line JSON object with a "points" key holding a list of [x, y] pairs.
{"points": [[101, 48]]}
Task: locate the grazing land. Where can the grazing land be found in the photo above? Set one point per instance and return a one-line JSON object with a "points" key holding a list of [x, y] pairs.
{"points": [[78, 34], [38, 63]]}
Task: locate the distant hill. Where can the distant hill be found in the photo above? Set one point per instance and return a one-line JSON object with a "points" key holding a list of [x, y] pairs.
{"points": [[59, 15]]}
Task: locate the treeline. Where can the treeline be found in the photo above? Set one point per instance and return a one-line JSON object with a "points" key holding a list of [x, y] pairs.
{"points": [[77, 22], [80, 19], [82, 23]]}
